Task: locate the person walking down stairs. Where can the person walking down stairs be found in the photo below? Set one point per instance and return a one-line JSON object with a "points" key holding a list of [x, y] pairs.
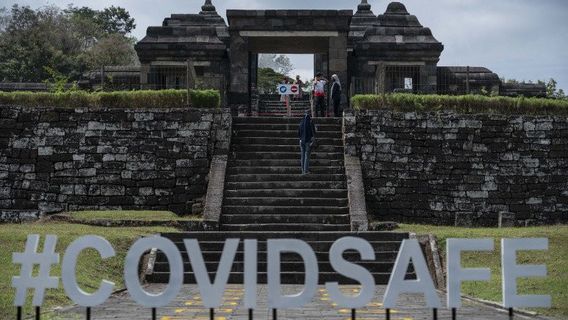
{"points": [[307, 133], [336, 95]]}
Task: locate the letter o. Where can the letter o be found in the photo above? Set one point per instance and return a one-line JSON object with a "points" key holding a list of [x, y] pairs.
{"points": [[137, 293]]}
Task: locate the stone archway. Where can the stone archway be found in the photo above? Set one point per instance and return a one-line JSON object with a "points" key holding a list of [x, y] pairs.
{"points": [[323, 33]]}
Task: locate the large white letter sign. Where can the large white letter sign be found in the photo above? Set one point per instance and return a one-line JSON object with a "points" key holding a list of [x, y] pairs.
{"points": [[410, 250], [455, 272], [275, 298], [68, 272], [511, 271], [353, 271], [251, 268], [212, 294], [132, 281]]}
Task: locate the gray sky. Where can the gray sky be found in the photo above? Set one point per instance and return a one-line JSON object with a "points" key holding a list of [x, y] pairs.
{"points": [[519, 39]]}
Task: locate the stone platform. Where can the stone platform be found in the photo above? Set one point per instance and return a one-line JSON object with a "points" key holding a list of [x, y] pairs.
{"points": [[188, 306]]}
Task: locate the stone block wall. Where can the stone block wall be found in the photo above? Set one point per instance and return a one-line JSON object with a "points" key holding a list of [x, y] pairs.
{"points": [[54, 160], [447, 168]]}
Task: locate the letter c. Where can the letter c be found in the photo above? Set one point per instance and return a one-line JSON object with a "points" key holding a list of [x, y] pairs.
{"points": [[68, 272]]}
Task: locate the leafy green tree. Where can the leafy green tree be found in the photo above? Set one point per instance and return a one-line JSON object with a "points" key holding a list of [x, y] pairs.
{"points": [[65, 41], [279, 63], [112, 50], [268, 80]]}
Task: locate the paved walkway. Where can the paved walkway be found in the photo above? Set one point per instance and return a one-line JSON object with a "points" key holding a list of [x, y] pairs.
{"points": [[188, 306]]}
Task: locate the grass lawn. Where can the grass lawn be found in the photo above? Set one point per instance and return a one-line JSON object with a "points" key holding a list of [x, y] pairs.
{"points": [[556, 259], [130, 215], [92, 268]]}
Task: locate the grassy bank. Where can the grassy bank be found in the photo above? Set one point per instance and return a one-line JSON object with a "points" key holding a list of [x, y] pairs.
{"points": [[92, 268], [556, 259], [117, 99], [463, 104]]}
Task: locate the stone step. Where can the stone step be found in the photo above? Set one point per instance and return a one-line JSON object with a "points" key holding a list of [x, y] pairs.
{"points": [[285, 266], [287, 120], [229, 219], [284, 163], [236, 209], [275, 201], [284, 141], [305, 236], [285, 127], [284, 170], [292, 184], [280, 114], [317, 246], [322, 256], [320, 193], [283, 148], [284, 177], [264, 133], [264, 227], [315, 155], [286, 278]]}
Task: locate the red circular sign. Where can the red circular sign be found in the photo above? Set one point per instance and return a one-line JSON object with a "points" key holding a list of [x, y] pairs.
{"points": [[294, 89]]}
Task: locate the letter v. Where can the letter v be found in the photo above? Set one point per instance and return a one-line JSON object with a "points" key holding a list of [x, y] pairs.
{"points": [[211, 294]]}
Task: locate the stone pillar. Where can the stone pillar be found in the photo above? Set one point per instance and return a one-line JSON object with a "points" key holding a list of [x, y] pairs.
{"points": [[428, 78], [239, 57], [380, 77], [338, 61], [144, 71]]}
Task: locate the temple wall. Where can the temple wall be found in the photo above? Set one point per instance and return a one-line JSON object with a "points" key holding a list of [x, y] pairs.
{"points": [[54, 160], [447, 168]]}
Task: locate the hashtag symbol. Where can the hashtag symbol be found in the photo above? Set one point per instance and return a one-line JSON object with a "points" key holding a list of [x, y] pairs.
{"points": [[29, 259]]}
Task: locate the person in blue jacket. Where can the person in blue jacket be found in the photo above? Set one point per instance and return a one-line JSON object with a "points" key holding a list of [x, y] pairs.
{"points": [[307, 133]]}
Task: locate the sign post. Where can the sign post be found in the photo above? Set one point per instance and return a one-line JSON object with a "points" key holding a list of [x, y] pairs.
{"points": [[287, 90]]}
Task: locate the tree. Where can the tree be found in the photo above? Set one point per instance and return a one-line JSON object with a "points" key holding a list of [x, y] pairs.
{"points": [[279, 63], [116, 20], [113, 50], [33, 41], [268, 80]]}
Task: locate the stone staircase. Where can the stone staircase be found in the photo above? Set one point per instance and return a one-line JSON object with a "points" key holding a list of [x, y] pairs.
{"points": [[272, 108], [266, 197], [264, 189], [386, 247]]}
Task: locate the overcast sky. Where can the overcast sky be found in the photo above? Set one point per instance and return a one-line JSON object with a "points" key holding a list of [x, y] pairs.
{"points": [[518, 39]]}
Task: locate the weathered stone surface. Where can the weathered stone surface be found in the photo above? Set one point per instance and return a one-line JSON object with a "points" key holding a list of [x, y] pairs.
{"points": [[447, 168], [139, 159]]}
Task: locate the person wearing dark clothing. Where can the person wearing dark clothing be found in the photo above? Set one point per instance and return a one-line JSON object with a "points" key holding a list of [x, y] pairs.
{"points": [[307, 133], [336, 95], [319, 95]]}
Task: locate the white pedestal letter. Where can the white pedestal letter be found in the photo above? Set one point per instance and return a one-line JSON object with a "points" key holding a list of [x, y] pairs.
{"points": [[251, 268], [410, 250], [69, 275], [275, 298], [511, 271], [132, 281], [455, 272], [353, 271], [212, 294]]}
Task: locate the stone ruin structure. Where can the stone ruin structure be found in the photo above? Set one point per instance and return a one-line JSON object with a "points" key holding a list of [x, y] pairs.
{"points": [[371, 54]]}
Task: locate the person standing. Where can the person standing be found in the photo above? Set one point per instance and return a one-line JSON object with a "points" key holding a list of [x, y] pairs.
{"points": [[319, 94], [307, 134], [336, 95], [300, 83]]}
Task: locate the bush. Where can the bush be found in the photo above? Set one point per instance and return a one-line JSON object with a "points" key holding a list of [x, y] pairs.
{"points": [[464, 104], [117, 99]]}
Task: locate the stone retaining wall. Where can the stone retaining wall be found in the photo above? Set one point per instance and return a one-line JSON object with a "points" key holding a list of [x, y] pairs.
{"points": [[54, 160], [447, 168]]}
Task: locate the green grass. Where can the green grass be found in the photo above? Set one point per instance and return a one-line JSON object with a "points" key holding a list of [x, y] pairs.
{"points": [[92, 268], [130, 215], [116, 99], [556, 259], [469, 104]]}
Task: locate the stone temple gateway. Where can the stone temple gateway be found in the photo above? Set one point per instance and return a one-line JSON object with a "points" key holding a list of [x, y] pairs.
{"points": [[371, 54]]}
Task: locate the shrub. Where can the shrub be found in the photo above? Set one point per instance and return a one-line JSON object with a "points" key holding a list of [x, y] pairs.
{"points": [[117, 99], [464, 104]]}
